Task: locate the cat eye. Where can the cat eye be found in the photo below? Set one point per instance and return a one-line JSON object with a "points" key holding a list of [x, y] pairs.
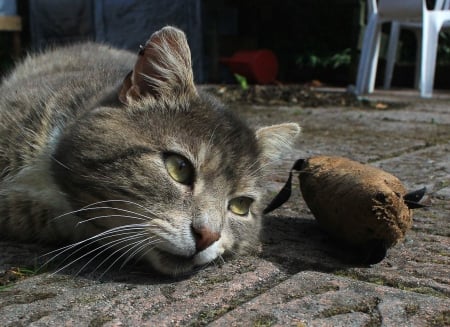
{"points": [[179, 168], [240, 206]]}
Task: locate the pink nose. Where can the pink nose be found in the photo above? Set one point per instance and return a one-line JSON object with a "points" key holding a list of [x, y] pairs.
{"points": [[204, 237]]}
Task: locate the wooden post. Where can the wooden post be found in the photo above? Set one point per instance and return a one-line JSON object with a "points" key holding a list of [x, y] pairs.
{"points": [[12, 24]]}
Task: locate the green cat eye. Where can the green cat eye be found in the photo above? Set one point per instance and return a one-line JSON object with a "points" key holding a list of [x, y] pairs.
{"points": [[179, 168], [240, 206]]}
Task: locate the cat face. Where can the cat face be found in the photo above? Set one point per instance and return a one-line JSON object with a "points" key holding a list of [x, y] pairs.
{"points": [[169, 175]]}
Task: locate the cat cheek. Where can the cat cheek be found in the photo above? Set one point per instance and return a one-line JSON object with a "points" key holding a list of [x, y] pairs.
{"points": [[227, 241]]}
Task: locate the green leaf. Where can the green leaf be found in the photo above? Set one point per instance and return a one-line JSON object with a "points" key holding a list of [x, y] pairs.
{"points": [[242, 81]]}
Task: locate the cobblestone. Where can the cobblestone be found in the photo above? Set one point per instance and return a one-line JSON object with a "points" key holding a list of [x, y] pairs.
{"points": [[300, 277]]}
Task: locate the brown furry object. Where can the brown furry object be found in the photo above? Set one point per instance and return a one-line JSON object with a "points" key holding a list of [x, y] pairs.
{"points": [[357, 204]]}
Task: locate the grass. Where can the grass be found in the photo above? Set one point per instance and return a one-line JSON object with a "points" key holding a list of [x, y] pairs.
{"points": [[442, 319], [264, 321], [14, 274]]}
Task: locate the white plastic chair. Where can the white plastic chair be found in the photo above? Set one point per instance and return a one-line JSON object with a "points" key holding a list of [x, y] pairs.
{"points": [[402, 13]]}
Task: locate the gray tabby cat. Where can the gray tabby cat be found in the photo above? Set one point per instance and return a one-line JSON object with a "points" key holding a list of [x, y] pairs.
{"points": [[147, 165]]}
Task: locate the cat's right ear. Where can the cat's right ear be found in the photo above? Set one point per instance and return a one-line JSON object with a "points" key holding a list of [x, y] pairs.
{"points": [[276, 141], [163, 69]]}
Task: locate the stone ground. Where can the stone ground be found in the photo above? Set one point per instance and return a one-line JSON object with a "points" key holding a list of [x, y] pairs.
{"points": [[300, 277]]}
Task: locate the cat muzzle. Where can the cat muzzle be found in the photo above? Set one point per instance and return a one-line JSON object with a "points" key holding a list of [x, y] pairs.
{"points": [[204, 237]]}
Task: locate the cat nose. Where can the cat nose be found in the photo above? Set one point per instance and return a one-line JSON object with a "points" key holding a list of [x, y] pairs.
{"points": [[204, 237]]}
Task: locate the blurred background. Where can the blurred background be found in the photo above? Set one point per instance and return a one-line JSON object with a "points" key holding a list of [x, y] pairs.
{"points": [[313, 40]]}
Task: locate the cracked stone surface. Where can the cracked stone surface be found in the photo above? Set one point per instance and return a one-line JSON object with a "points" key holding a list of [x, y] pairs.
{"points": [[300, 277]]}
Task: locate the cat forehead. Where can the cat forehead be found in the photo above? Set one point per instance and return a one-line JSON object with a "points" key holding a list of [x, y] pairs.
{"points": [[212, 137], [193, 122], [218, 149]]}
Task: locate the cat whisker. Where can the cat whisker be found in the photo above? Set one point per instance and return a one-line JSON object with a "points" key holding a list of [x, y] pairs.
{"points": [[206, 265], [231, 252], [104, 246], [222, 260], [60, 163], [143, 245], [131, 247], [150, 246], [264, 166], [107, 246], [214, 263], [123, 201], [109, 233], [94, 241], [209, 145], [107, 216], [143, 217], [255, 162]]}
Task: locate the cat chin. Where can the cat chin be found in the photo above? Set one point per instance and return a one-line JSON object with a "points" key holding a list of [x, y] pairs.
{"points": [[208, 254], [171, 264]]}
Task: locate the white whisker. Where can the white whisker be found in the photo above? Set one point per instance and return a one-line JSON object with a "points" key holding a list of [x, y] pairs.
{"points": [[60, 163], [264, 166], [97, 240], [106, 247], [88, 208], [210, 141], [132, 246], [143, 244], [222, 260], [148, 250], [93, 239], [112, 230], [108, 216], [123, 201]]}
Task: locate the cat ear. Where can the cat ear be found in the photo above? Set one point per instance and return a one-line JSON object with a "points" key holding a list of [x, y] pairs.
{"points": [[163, 68], [277, 140]]}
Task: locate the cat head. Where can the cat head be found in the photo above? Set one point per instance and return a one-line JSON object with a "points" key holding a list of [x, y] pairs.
{"points": [[168, 176]]}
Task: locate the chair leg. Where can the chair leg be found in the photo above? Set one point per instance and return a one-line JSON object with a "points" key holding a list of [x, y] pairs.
{"points": [[391, 54], [374, 60], [369, 57], [418, 58], [430, 34]]}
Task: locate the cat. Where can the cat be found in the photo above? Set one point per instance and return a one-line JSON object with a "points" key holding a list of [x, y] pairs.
{"points": [[140, 162]]}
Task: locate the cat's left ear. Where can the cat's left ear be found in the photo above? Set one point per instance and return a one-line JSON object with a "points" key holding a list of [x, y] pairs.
{"points": [[276, 141], [163, 68]]}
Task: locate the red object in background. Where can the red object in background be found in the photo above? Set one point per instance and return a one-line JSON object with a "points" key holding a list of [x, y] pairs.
{"points": [[258, 66]]}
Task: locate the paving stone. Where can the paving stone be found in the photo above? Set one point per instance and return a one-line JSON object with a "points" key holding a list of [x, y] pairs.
{"points": [[318, 299], [300, 276], [134, 298]]}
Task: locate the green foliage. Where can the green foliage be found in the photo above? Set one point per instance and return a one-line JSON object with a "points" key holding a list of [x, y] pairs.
{"points": [[444, 48], [408, 49], [14, 274], [242, 81], [327, 61]]}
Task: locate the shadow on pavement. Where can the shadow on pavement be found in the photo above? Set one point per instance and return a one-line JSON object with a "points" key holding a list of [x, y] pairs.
{"points": [[297, 244]]}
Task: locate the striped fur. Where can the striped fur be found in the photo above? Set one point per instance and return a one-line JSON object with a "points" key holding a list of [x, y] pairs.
{"points": [[82, 156]]}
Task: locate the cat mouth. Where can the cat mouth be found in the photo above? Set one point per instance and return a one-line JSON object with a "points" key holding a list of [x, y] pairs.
{"points": [[175, 263], [171, 264], [165, 255]]}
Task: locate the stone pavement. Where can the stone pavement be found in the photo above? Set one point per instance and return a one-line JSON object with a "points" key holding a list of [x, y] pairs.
{"points": [[300, 277]]}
